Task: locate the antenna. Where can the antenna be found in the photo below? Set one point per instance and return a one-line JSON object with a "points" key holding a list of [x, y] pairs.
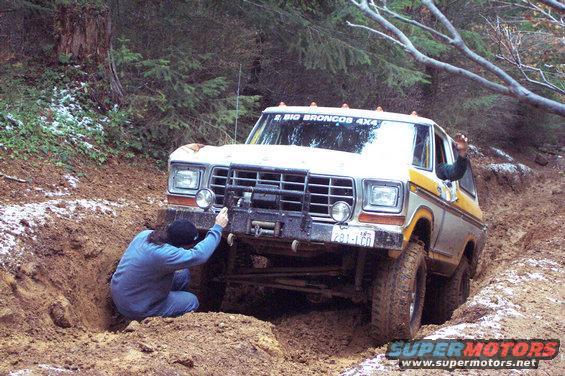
{"points": [[237, 102]]}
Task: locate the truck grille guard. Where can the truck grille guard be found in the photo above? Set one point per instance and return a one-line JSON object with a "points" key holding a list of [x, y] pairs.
{"points": [[262, 195], [288, 190]]}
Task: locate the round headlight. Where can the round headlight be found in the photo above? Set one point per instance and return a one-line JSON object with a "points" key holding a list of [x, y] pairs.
{"points": [[205, 198], [341, 211]]}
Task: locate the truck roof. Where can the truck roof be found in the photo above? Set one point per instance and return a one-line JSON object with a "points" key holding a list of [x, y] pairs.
{"points": [[380, 115]]}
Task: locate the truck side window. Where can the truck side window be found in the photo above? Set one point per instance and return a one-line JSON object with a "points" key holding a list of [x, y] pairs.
{"points": [[422, 146], [440, 151], [467, 182]]}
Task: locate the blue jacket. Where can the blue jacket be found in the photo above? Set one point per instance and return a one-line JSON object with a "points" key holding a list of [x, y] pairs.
{"points": [[144, 276]]}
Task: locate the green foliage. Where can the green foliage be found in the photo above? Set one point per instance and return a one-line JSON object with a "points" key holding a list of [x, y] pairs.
{"points": [[91, 3], [310, 42], [427, 45], [178, 63], [51, 119], [65, 59], [475, 41], [481, 103], [314, 51], [178, 102]]}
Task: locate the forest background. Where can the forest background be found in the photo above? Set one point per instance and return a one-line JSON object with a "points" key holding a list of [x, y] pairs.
{"points": [[96, 79]]}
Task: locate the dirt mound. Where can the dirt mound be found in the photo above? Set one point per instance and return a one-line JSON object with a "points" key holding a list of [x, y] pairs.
{"points": [[56, 315], [200, 344]]}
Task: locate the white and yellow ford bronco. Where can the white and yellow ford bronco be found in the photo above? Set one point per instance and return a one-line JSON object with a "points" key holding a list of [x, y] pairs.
{"points": [[337, 202]]}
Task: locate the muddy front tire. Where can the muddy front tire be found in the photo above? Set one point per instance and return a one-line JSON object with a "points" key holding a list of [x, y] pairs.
{"points": [[446, 294], [398, 295]]}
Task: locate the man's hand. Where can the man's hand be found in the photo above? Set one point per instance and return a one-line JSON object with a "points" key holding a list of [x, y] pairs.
{"points": [[193, 147], [462, 144], [222, 218]]}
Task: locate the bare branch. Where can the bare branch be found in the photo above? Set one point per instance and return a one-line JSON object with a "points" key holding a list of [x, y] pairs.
{"points": [[510, 42], [426, 60], [459, 43], [529, 5], [380, 33], [524, 68], [508, 86], [558, 6], [414, 23]]}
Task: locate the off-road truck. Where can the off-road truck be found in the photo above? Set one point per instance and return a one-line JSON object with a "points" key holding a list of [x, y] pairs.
{"points": [[336, 202]]}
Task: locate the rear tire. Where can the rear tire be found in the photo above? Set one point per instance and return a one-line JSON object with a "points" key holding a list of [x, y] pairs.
{"points": [[399, 289], [446, 294]]}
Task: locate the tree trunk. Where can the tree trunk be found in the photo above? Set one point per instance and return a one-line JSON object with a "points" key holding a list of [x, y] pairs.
{"points": [[84, 35]]}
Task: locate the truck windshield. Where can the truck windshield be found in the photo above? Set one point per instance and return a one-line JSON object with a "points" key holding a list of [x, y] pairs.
{"points": [[374, 138]]}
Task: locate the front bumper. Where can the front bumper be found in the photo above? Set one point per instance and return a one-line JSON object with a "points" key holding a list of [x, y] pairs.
{"points": [[277, 225]]}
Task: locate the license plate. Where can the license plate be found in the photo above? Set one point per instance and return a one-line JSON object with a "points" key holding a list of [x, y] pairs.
{"points": [[353, 235]]}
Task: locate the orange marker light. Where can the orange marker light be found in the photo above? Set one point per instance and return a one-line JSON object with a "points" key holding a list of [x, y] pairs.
{"points": [[345, 105], [414, 113], [282, 104], [313, 104], [379, 109]]}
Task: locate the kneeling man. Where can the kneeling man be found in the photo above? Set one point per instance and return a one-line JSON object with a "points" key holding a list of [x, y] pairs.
{"points": [[152, 275]]}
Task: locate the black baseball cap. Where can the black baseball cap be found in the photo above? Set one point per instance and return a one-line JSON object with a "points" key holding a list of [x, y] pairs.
{"points": [[182, 232]]}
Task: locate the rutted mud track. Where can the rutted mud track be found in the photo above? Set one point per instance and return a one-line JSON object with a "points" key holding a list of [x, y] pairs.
{"points": [[56, 316]]}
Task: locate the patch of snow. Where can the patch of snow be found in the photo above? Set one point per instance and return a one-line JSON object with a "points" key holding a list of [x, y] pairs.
{"points": [[524, 169], [67, 118], [87, 145], [21, 372], [543, 263], [475, 150], [372, 366], [11, 118], [509, 168], [17, 220], [503, 167], [536, 276], [157, 201], [452, 331], [58, 193], [55, 369], [72, 180], [502, 154]]}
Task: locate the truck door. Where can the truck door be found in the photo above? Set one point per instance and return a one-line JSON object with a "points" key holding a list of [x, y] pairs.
{"points": [[451, 232]]}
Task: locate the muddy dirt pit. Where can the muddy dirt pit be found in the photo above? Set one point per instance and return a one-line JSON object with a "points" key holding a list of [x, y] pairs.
{"points": [[56, 315]]}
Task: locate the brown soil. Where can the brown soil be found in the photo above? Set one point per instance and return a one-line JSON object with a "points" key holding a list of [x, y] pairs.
{"points": [[56, 315]]}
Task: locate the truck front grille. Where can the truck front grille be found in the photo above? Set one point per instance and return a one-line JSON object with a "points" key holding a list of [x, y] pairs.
{"points": [[324, 190]]}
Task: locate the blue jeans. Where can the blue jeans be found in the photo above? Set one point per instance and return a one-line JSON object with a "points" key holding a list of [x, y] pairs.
{"points": [[179, 300]]}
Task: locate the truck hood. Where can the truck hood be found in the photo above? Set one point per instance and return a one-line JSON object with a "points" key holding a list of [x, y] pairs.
{"points": [[318, 161]]}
